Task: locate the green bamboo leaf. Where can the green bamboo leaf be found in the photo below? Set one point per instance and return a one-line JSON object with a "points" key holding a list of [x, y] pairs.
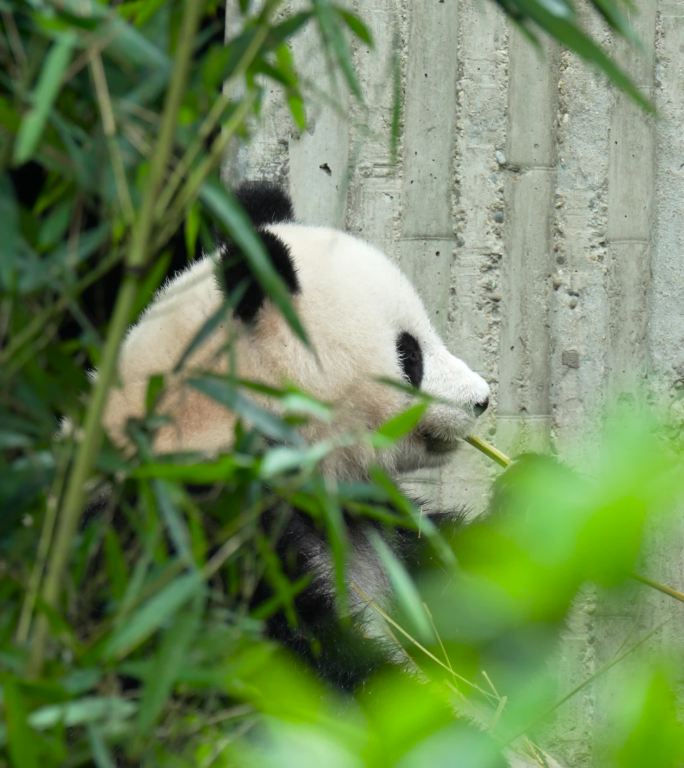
{"points": [[336, 531], [155, 388], [167, 662], [356, 25], [208, 327], [295, 101], [115, 564], [421, 522], [54, 226], [395, 123], [165, 495], [192, 227], [276, 36], [101, 754], [201, 473], [152, 615], [560, 8], [20, 737], [407, 596], [9, 226], [89, 709], [282, 459], [303, 404], [575, 39], [334, 39], [43, 97], [237, 224], [225, 392], [130, 46], [286, 29], [398, 426], [276, 577], [616, 19], [150, 283]]}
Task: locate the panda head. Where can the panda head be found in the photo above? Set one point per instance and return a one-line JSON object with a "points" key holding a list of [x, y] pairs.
{"points": [[365, 322]]}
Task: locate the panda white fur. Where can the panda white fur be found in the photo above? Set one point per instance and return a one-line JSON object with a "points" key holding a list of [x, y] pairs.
{"points": [[365, 322]]}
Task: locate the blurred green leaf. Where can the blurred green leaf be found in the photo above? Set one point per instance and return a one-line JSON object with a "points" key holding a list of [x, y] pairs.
{"points": [[115, 564], [169, 658], [101, 754], [283, 459], [335, 41], [152, 615], [227, 393], [295, 101], [398, 426], [9, 226], [89, 709], [408, 600], [338, 540], [643, 725], [556, 19], [21, 739], [43, 97], [612, 13], [356, 25], [167, 497]]}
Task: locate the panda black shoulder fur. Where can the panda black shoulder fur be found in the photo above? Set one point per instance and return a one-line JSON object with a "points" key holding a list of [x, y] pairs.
{"points": [[365, 322]]}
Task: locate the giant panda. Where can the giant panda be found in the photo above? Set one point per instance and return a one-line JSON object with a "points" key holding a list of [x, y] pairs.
{"points": [[366, 323]]}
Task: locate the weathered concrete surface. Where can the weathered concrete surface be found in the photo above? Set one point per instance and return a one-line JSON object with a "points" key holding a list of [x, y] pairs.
{"points": [[540, 215]]}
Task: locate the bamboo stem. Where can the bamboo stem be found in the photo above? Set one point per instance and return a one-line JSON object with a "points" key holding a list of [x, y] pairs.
{"points": [[489, 450], [657, 585]]}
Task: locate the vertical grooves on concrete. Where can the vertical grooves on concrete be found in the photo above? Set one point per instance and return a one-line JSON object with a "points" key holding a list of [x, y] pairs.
{"points": [[472, 323], [375, 184], [524, 408], [630, 219], [666, 326], [319, 157], [429, 107], [430, 102]]}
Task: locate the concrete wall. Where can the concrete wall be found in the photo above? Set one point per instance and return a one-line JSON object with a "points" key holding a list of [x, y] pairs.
{"points": [[540, 215]]}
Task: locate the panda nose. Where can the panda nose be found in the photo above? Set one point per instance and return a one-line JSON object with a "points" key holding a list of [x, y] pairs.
{"points": [[481, 407]]}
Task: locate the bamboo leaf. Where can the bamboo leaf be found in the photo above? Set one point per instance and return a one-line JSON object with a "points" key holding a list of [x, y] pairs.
{"points": [[226, 392], [334, 38], [89, 709], [43, 97], [565, 31], [295, 101], [200, 473], [356, 25], [167, 662], [336, 531], [405, 592], [282, 459], [165, 495], [101, 754], [237, 224], [20, 737], [152, 615], [398, 426]]}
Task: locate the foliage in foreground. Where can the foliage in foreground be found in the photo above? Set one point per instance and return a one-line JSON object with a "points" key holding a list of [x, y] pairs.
{"points": [[129, 636]]}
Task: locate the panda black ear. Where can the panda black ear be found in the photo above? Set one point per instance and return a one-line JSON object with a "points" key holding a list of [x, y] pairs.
{"points": [[264, 203], [236, 274]]}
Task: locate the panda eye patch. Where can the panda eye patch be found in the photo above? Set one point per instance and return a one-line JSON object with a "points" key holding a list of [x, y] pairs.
{"points": [[410, 358]]}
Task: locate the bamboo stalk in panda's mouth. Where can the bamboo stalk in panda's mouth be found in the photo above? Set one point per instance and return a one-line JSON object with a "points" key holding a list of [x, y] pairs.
{"points": [[489, 450]]}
